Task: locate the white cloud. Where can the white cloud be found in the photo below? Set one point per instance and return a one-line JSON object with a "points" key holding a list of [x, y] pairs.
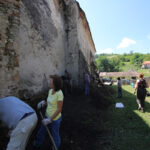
{"points": [[148, 37], [106, 51], [126, 42]]}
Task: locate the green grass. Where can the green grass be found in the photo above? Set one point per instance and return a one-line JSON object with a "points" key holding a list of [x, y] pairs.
{"points": [[128, 67], [127, 128]]}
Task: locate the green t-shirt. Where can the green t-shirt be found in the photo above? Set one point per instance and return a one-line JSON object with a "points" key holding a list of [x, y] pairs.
{"points": [[52, 101]]}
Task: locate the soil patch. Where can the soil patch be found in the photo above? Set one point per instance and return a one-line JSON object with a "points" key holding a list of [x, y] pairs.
{"points": [[82, 122]]}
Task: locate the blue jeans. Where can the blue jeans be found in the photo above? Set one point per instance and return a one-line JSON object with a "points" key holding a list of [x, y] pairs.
{"points": [[54, 127], [119, 92], [87, 89]]}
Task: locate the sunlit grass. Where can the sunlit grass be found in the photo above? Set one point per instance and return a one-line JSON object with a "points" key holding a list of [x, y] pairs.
{"points": [[128, 67], [144, 116], [130, 128]]}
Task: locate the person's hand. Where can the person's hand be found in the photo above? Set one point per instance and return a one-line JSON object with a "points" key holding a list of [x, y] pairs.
{"points": [[134, 92], [46, 121], [41, 104]]}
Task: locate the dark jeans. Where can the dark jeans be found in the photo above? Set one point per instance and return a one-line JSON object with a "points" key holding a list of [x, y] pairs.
{"points": [[141, 101], [87, 89], [54, 128], [119, 92]]}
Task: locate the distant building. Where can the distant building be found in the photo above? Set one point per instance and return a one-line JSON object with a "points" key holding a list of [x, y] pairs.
{"points": [[118, 74], [146, 65]]}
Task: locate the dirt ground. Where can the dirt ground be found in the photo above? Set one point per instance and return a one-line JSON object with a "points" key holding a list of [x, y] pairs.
{"points": [[82, 122]]}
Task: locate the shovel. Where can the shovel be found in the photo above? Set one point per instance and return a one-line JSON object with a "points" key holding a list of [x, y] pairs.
{"points": [[51, 138]]}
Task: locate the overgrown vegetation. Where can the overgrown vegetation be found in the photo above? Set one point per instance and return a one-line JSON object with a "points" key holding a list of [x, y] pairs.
{"points": [[116, 62]]}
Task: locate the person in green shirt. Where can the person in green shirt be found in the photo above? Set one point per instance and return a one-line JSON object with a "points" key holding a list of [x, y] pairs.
{"points": [[53, 118]]}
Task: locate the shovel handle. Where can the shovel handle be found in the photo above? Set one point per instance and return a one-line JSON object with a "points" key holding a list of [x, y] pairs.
{"points": [[51, 138]]}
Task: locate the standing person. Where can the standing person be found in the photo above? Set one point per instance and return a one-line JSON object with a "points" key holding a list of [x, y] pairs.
{"points": [[111, 82], [140, 87], [132, 84], [68, 82], [20, 118], [87, 84], [119, 84], [53, 112]]}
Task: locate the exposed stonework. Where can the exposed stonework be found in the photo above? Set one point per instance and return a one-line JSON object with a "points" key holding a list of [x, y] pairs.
{"points": [[9, 64], [39, 38]]}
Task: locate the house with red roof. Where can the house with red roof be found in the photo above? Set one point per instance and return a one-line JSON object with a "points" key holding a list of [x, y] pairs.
{"points": [[146, 65]]}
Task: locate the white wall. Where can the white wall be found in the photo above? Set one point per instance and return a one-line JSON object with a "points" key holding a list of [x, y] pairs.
{"points": [[45, 37]]}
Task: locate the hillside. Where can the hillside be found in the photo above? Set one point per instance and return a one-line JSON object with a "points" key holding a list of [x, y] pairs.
{"points": [[124, 62]]}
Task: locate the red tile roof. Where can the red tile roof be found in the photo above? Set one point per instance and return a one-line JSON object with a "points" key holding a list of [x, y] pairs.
{"points": [[146, 62], [118, 74]]}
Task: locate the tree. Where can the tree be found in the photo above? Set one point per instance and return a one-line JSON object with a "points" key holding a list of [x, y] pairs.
{"points": [[107, 65], [137, 59]]}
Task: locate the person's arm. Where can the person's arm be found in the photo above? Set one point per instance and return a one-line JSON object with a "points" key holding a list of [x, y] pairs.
{"points": [[59, 109], [48, 120], [41, 104]]}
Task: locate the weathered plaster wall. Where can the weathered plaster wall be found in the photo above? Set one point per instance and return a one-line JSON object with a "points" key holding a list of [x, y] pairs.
{"points": [[41, 42], [86, 45], [39, 38], [80, 46]]}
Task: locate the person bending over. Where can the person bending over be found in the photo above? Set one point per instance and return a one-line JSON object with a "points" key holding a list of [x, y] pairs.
{"points": [[20, 118]]}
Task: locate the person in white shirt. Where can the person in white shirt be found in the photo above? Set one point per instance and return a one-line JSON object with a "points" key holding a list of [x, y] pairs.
{"points": [[20, 118]]}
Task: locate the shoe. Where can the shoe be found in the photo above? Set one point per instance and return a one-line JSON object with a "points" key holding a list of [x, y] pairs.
{"points": [[142, 110], [139, 108]]}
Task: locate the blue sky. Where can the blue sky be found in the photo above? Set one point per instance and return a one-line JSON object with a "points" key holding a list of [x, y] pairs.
{"points": [[119, 26]]}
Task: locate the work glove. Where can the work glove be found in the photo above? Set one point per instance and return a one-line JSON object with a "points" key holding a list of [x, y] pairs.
{"points": [[41, 104], [46, 121]]}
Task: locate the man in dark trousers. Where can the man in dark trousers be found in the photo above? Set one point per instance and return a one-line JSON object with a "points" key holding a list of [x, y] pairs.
{"points": [[20, 118], [119, 84], [87, 84], [68, 82]]}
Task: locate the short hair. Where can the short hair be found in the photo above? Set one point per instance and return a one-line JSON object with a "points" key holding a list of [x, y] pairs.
{"points": [[118, 78], [57, 82], [141, 75]]}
